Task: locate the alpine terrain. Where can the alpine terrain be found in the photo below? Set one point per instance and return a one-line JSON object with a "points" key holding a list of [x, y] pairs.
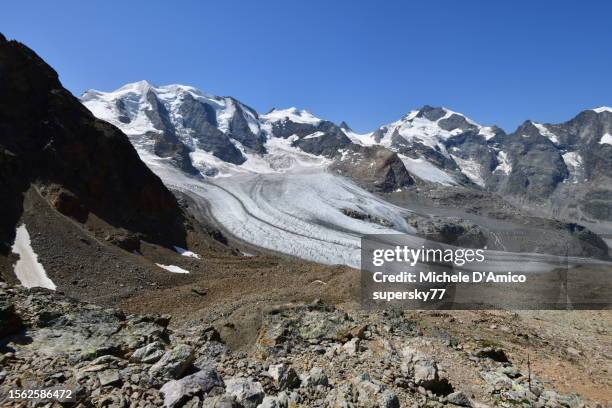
{"points": [[161, 246], [293, 183]]}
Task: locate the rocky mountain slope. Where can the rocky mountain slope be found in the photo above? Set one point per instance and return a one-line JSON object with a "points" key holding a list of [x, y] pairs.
{"points": [[303, 355], [74, 186]]}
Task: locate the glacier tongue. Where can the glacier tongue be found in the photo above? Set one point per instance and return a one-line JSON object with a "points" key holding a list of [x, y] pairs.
{"points": [[297, 212]]}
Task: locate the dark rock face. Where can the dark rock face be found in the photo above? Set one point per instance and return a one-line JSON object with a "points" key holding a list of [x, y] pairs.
{"points": [[47, 138], [541, 175], [240, 130], [455, 121], [288, 128], [374, 167], [431, 113], [538, 168], [416, 149], [200, 118], [166, 143], [470, 145], [328, 144], [345, 126], [329, 140], [597, 204], [10, 321]]}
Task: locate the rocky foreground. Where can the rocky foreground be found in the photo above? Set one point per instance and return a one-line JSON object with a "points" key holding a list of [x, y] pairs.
{"points": [[310, 355]]}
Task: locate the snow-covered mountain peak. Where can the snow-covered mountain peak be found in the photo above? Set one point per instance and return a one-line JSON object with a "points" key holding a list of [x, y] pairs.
{"points": [[602, 109], [428, 126], [292, 114], [138, 86]]}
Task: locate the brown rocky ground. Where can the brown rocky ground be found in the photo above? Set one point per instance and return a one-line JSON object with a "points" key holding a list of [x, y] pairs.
{"points": [[568, 350]]}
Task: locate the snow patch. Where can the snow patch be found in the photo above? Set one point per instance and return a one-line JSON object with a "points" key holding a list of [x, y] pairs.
{"points": [[224, 116], [365, 139], [486, 132], [603, 109], [573, 162], [185, 252], [172, 268], [314, 135], [504, 165], [546, 133], [471, 169], [606, 139], [572, 159], [28, 270], [427, 171]]}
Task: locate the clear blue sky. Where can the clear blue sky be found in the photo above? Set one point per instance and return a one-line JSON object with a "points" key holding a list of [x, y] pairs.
{"points": [[366, 62]]}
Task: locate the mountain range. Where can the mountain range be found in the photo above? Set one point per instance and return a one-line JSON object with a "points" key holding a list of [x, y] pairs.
{"points": [[562, 169], [291, 182], [163, 174]]}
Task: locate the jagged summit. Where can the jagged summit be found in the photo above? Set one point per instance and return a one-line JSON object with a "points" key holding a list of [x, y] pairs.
{"points": [[345, 126]]}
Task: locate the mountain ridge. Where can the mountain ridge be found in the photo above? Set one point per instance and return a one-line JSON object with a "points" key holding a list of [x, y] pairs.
{"points": [[435, 144]]}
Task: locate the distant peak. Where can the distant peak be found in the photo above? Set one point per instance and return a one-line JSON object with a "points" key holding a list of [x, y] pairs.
{"points": [[139, 86], [345, 126], [432, 113], [602, 109], [293, 114]]}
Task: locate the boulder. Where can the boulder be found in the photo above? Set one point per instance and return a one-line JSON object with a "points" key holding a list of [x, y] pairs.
{"points": [[284, 376], [109, 377], [315, 377], [351, 347], [149, 354], [388, 399], [458, 398], [247, 391], [424, 371], [279, 401], [199, 384], [173, 363], [221, 401]]}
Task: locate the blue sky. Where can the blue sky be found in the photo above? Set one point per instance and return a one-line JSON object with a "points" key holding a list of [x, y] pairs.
{"points": [[499, 62]]}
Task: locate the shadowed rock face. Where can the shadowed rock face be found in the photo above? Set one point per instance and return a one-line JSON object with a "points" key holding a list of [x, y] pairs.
{"points": [[166, 143], [240, 130], [330, 140], [570, 168], [49, 140], [374, 167], [328, 144], [201, 119], [538, 167]]}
